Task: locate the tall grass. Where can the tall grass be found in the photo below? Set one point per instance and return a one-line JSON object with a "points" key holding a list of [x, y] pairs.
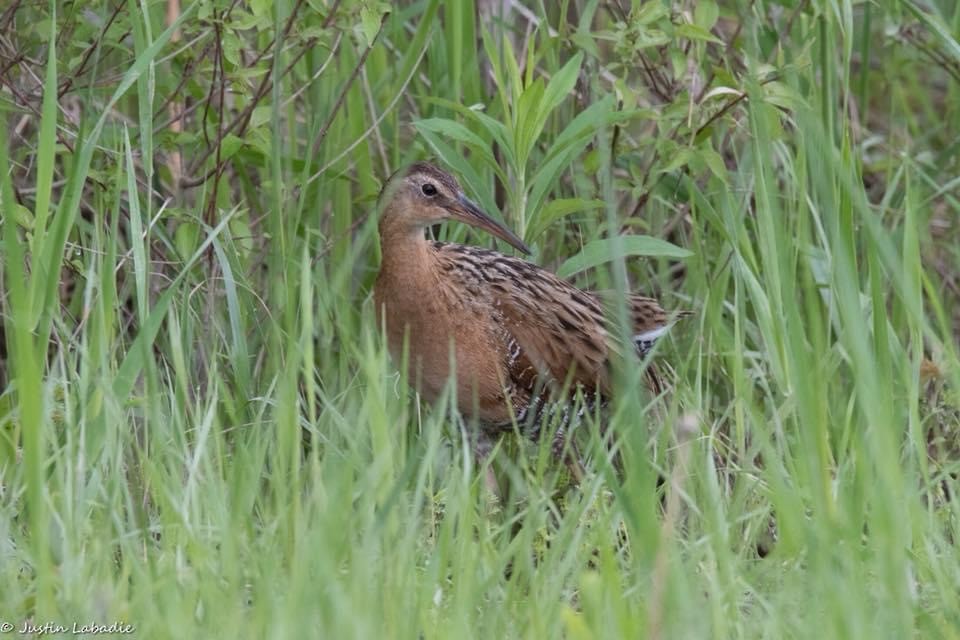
{"points": [[203, 435]]}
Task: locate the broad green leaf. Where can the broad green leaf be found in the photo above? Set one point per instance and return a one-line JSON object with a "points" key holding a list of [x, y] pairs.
{"points": [[242, 20], [680, 159], [23, 216], [261, 7], [370, 18], [648, 13], [705, 14], [260, 117], [696, 32], [584, 40], [650, 39], [229, 147], [601, 251], [715, 163], [782, 95], [561, 84]]}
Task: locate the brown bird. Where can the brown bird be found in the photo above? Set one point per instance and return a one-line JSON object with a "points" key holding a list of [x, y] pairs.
{"points": [[519, 341]]}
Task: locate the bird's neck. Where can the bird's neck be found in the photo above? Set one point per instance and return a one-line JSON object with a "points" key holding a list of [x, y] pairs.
{"points": [[406, 254]]}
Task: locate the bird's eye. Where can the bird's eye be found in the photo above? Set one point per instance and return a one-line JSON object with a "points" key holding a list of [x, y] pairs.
{"points": [[428, 190]]}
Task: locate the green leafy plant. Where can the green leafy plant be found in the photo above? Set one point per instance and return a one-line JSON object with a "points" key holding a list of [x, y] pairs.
{"points": [[201, 433]]}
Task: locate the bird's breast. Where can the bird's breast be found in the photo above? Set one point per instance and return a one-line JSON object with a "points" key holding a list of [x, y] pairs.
{"points": [[451, 334]]}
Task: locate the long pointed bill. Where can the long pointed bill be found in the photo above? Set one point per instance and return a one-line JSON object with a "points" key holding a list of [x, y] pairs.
{"points": [[466, 210]]}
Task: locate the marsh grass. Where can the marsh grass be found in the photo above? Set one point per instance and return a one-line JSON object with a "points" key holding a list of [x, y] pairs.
{"points": [[204, 437]]}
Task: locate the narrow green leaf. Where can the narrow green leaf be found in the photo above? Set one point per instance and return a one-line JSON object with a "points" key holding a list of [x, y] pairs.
{"points": [[557, 209], [146, 86], [46, 149], [561, 84], [601, 251], [527, 117], [239, 352], [26, 365], [557, 90], [546, 177], [497, 130], [936, 24], [512, 68], [138, 233], [460, 133]]}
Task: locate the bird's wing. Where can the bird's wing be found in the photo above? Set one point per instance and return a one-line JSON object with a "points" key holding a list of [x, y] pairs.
{"points": [[555, 332], [560, 326]]}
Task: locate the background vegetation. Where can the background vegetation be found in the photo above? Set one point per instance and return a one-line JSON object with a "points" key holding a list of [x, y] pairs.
{"points": [[202, 434]]}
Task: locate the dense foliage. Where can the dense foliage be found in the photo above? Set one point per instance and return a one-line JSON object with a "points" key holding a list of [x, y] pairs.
{"points": [[201, 433]]}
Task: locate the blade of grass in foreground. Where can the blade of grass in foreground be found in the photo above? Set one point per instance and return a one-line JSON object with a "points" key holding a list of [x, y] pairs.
{"points": [[30, 297], [27, 378]]}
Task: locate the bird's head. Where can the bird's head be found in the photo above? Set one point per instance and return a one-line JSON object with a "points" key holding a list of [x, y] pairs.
{"points": [[423, 195]]}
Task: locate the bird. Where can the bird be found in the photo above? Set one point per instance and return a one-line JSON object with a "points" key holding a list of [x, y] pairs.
{"points": [[519, 342]]}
